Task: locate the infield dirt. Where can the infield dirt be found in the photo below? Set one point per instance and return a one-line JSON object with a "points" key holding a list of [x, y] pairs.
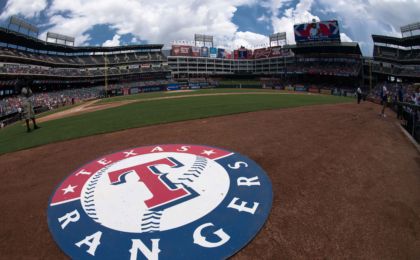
{"points": [[346, 182]]}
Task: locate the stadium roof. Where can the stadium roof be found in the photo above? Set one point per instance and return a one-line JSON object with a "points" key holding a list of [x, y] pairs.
{"points": [[15, 38], [404, 42], [327, 47]]}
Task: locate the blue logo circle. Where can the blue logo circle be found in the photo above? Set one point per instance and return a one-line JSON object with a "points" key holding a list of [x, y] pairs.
{"points": [[161, 202]]}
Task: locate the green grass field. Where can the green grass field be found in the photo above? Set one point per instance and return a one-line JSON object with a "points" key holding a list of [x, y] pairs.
{"points": [[240, 82], [143, 96], [152, 112], [46, 113]]}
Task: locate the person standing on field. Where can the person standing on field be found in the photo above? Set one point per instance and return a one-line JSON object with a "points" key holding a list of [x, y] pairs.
{"points": [[28, 108], [384, 100], [400, 99], [359, 95], [19, 109]]}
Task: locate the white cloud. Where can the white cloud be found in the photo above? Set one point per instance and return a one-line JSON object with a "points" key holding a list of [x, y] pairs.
{"points": [[248, 40], [382, 15], [76, 26], [26, 8], [345, 38], [154, 21], [362, 18], [263, 18], [114, 42], [301, 13], [359, 18], [167, 20], [274, 6]]}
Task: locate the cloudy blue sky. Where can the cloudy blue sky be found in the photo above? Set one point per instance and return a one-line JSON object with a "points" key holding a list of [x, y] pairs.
{"points": [[232, 22]]}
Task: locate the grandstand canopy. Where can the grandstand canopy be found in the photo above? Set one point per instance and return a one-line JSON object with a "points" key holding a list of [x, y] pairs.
{"points": [[327, 47], [15, 38], [404, 42]]}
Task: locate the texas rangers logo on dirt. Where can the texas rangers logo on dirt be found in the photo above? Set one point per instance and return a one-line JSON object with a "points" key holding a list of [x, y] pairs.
{"points": [[160, 202]]}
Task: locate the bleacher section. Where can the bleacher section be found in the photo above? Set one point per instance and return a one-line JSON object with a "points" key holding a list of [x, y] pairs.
{"points": [[395, 56], [86, 60]]}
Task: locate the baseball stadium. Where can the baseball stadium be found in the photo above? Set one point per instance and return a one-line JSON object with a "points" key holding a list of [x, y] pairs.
{"points": [[303, 150]]}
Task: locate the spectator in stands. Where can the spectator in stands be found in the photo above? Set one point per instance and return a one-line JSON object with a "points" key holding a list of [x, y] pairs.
{"points": [[412, 98], [417, 96], [28, 109]]}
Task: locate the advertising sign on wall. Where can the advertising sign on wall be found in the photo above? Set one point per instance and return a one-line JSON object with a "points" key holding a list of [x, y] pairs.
{"points": [[262, 53], [213, 52], [317, 31], [195, 51], [204, 52], [181, 50], [172, 87], [249, 54], [326, 91], [221, 53], [276, 51], [242, 53]]}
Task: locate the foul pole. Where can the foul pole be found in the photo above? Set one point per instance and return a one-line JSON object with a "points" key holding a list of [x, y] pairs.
{"points": [[106, 76], [370, 76]]}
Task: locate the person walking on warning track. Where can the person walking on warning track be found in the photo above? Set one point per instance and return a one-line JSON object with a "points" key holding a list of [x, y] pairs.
{"points": [[384, 100], [400, 99], [28, 108], [359, 95]]}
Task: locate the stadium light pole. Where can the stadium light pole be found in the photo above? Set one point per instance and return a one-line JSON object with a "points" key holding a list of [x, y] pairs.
{"points": [[370, 76], [106, 75]]}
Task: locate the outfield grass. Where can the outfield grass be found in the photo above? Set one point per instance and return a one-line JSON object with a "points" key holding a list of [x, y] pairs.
{"points": [[49, 112], [176, 93], [240, 82], [146, 113]]}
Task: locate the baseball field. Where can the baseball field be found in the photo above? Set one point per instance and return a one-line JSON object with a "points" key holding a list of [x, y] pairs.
{"points": [[346, 182]]}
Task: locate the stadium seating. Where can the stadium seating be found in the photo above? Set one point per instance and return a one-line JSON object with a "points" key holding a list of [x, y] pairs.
{"points": [[325, 68], [408, 90], [89, 60], [51, 100]]}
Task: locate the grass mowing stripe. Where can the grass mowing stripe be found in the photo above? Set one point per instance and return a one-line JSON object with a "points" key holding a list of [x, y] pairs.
{"points": [[56, 110], [240, 82], [149, 113], [174, 94]]}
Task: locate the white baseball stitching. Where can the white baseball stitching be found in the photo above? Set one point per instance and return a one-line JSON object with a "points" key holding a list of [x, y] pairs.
{"points": [[88, 198], [151, 219], [195, 171]]}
